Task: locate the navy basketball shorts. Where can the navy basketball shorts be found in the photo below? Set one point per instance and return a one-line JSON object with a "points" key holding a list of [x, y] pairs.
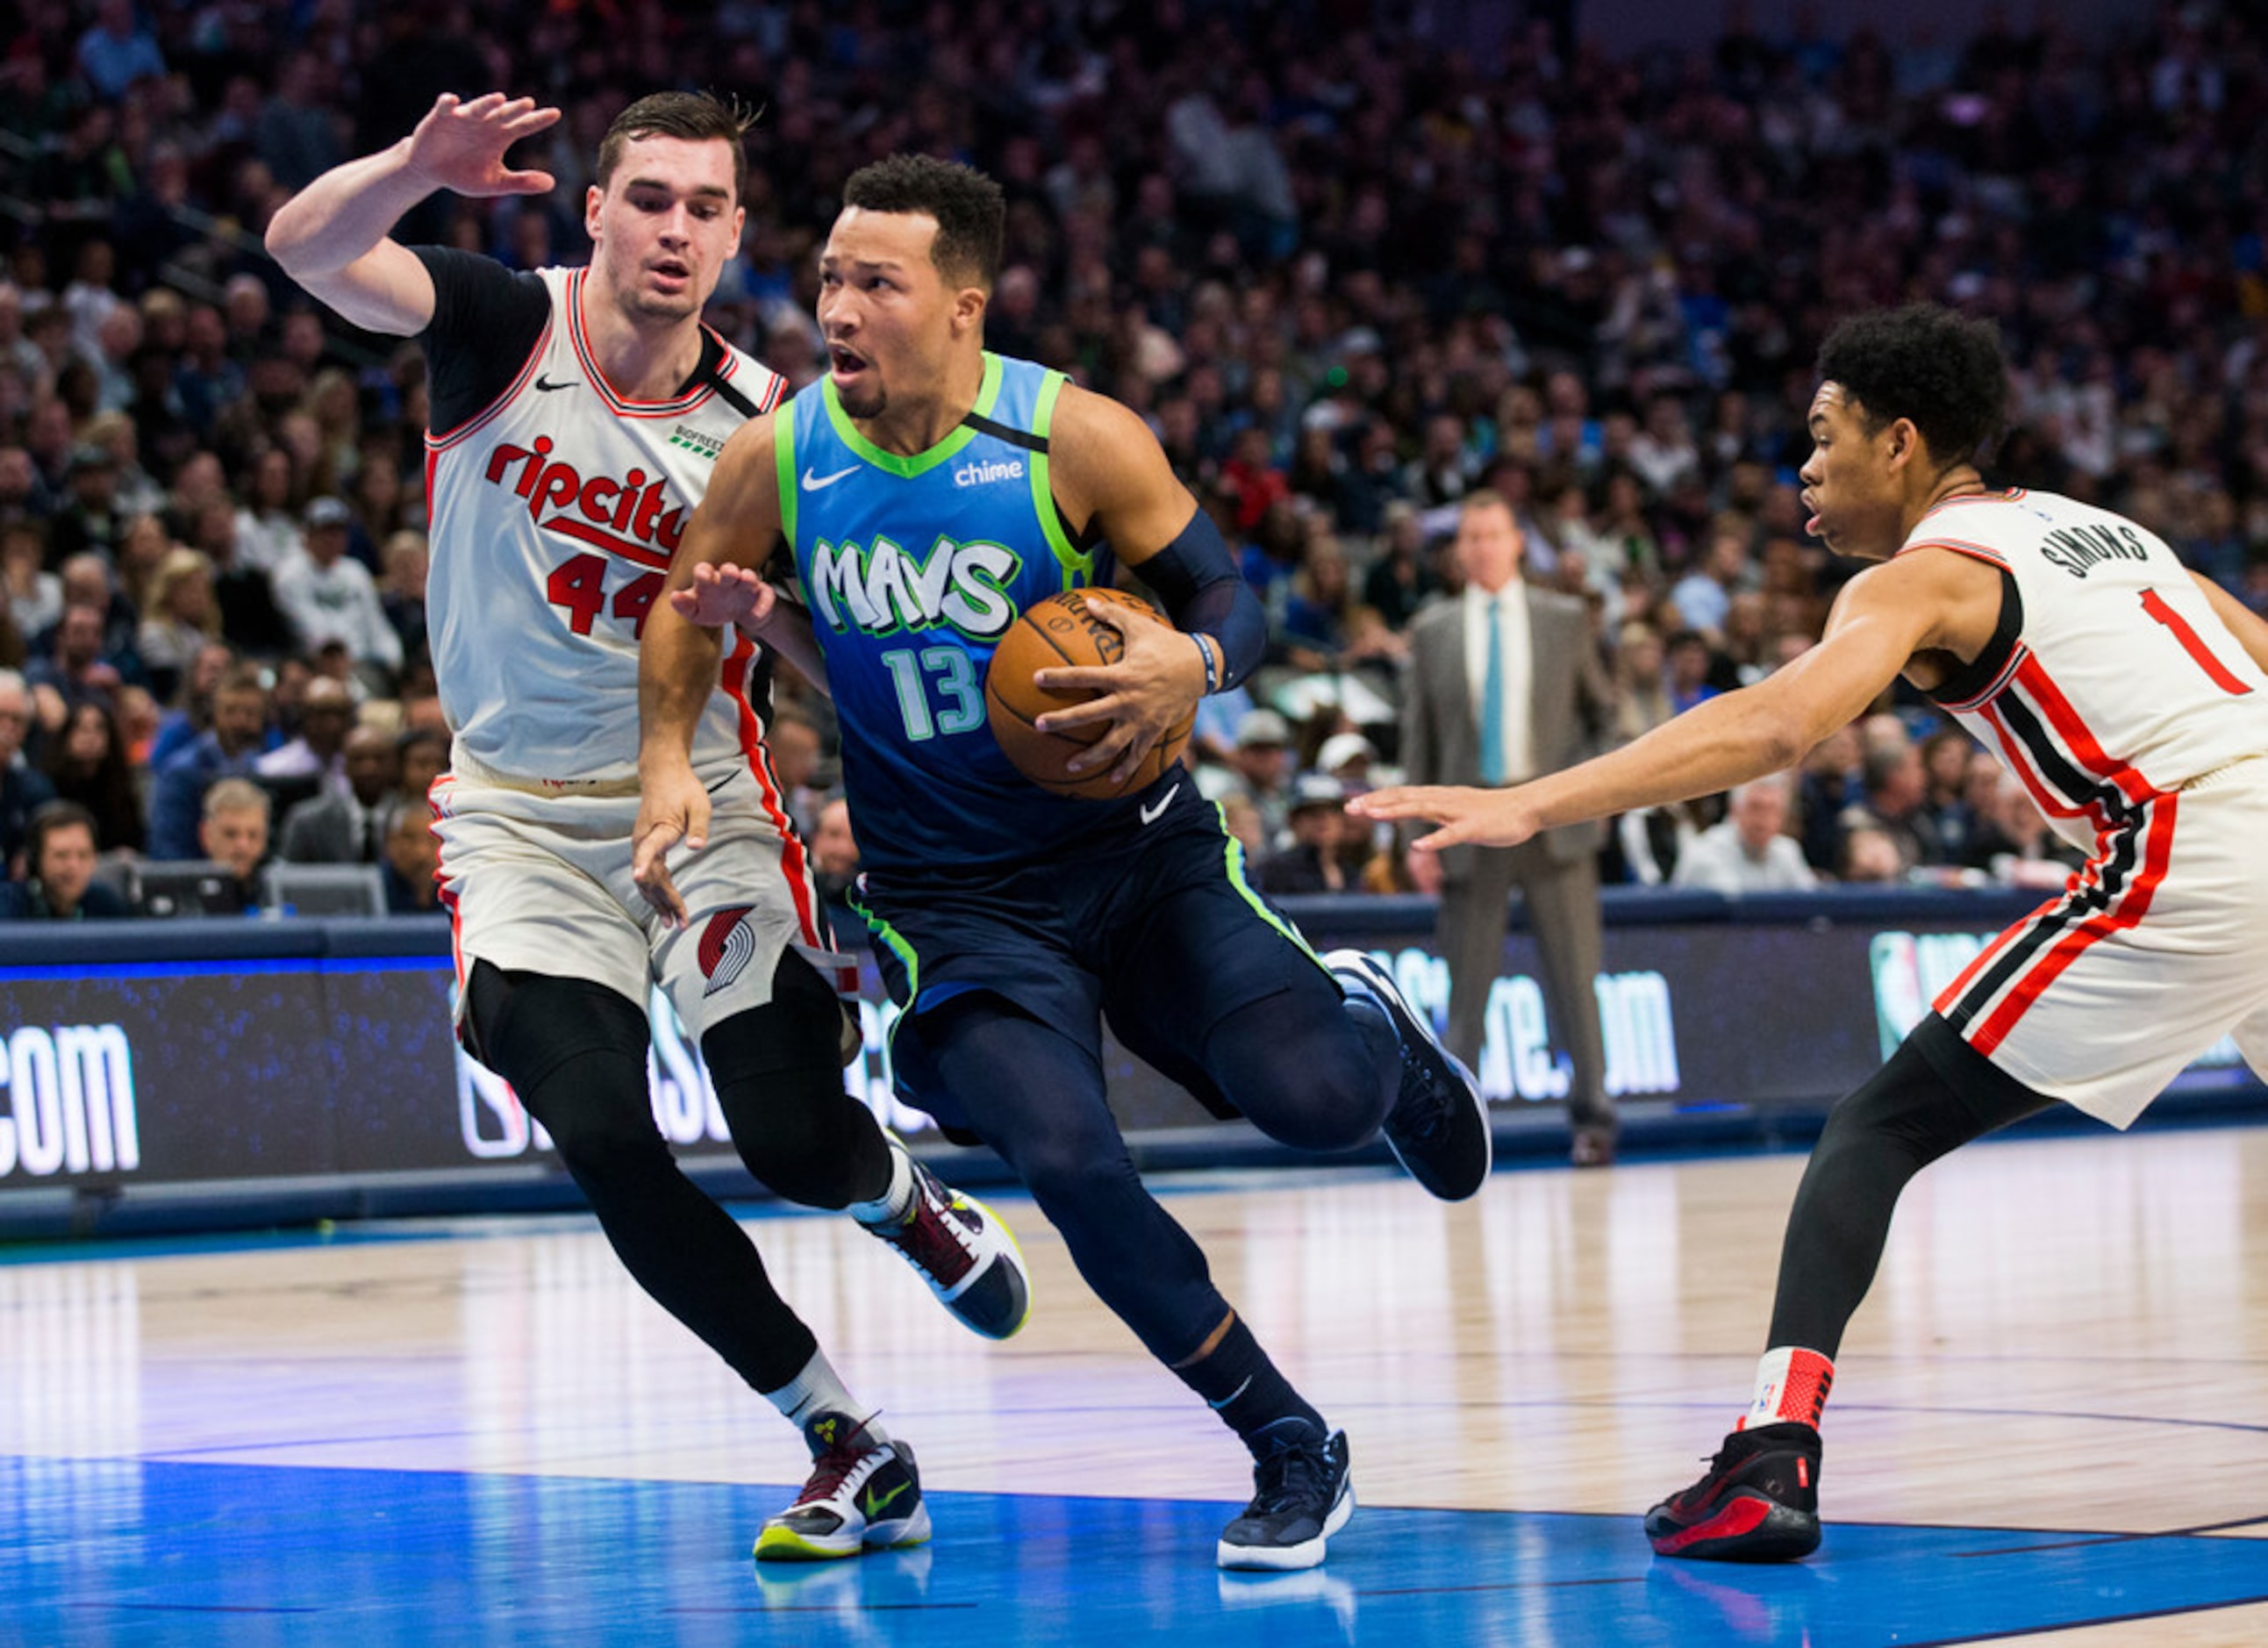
{"points": [[1153, 927]]}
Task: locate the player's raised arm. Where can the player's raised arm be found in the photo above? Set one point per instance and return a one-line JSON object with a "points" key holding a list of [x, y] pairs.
{"points": [[331, 236], [1884, 615], [1110, 471]]}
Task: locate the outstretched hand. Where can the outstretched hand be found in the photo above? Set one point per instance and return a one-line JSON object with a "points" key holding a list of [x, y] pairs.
{"points": [[1477, 818], [460, 145], [719, 595], [1150, 691]]}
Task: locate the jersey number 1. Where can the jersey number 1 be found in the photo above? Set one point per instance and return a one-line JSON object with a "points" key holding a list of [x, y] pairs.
{"points": [[2193, 644]]}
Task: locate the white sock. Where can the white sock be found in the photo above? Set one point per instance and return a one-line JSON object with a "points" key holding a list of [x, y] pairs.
{"points": [[817, 1389], [890, 1207]]}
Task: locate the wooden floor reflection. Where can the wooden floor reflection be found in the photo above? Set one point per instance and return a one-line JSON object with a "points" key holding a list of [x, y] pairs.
{"points": [[2065, 1336]]}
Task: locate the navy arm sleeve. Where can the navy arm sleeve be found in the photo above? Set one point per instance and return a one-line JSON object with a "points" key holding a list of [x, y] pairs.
{"points": [[1204, 592], [486, 319]]}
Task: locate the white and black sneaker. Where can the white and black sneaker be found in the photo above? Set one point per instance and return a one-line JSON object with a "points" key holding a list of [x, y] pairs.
{"points": [[962, 1249], [1438, 1128], [862, 1494], [1303, 1492]]}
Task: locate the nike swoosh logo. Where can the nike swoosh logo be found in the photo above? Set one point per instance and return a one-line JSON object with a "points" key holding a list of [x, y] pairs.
{"points": [[812, 483], [875, 1505], [1150, 814], [543, 383]]}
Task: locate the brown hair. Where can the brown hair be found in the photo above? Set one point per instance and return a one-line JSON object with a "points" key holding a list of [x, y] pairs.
{"points": [[695, 116]]}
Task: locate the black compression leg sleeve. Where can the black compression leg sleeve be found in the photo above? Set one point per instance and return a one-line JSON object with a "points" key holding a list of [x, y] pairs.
{"points": [[1035, 1096], [1935, 1094], [778, 1074], [575, 1053]]}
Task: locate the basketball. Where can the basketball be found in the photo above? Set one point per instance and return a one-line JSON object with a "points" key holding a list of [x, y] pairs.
{"points": [[1061, 630]]}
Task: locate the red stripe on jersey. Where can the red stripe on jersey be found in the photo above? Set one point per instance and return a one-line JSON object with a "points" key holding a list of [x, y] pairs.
{"points": [[1950, 997], [620, 405], [1999, 683], [2043, 690], [489, 413], [2015, 758], [2132, 905], [434, 804], [793, 863]]}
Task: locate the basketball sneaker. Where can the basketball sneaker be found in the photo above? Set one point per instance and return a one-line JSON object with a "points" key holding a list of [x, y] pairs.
{"points": [[962, 1250], [1438, 1128], [1303, 1492], [1758, 1503], [861, 1495]]}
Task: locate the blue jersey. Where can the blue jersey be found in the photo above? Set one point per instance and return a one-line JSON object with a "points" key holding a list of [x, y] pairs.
{"points": [[914, 567]]}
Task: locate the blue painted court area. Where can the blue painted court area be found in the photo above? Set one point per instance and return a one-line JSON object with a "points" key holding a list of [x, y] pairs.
{"points": [[120, 1552]]}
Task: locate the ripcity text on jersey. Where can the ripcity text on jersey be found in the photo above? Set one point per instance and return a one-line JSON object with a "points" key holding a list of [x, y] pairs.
{"points": [[913, 568], [555, 512], [2110, 679]]}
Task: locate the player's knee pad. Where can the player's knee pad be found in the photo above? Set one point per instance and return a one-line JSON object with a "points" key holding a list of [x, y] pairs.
{"points": [[575, 1053], [778, 1070]]}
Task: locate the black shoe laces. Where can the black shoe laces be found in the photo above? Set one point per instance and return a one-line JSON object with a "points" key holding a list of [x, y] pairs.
{"points": [[1290, 1478]]}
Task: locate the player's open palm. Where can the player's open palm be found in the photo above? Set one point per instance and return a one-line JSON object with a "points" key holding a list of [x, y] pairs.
{"points": [[1484, 818], [719, 595], [460, 145]]}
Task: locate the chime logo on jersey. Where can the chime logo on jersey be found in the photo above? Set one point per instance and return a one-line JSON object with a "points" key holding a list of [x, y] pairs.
{"points": [[726, 945], [625, 516], [885, 589]]}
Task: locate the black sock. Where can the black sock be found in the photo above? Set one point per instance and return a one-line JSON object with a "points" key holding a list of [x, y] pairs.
{"points": [[1241, 1384]]}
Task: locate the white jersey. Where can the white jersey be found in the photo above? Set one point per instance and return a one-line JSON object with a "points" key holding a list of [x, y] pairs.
{"points": [[555, 512], [2111, 680]]}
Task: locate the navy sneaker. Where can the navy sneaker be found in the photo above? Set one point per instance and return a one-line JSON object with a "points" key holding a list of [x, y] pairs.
{"points": [[961, 1248], [862, 1494], [1758, 1503], [1438, 1128], [1303, 1492]]}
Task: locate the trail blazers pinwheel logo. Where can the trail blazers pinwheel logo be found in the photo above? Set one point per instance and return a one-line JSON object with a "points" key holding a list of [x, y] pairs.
{"points": [[726, 944]]}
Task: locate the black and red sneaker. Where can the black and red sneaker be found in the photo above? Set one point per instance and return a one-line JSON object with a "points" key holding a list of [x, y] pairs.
{"points": [[1758, 1503], [961, 1248]]}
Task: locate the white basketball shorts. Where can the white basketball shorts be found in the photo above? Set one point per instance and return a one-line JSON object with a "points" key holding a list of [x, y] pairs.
{"points": [[2155, 950]]}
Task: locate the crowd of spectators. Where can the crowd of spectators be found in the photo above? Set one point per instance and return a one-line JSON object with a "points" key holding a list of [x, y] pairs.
{"points": [[1348, 273]]}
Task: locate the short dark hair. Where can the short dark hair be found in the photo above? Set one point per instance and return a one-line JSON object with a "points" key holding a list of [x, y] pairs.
{"points": [[46, 818], [1926, 363], [971, 213], [695, 116]]}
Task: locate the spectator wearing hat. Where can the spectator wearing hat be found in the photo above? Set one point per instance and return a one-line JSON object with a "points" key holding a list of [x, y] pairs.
{"points": [[59, 864], [1259, 769], [1312, 863], [328, 597]]}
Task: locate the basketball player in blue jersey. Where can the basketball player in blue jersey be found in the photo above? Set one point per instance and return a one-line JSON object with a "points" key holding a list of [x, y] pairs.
{"points": [[574, 416], [928, 492]]}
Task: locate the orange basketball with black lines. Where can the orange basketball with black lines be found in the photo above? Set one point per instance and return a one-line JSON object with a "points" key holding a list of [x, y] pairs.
{"points": [[1061, 631]]}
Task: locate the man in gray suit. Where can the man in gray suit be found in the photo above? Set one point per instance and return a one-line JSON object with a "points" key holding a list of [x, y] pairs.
{"points": [[349, 826], [1504, 685]]}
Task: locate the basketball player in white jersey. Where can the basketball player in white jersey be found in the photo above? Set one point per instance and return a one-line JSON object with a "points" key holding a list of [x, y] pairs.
{"points": [[576, 415], [2129, 697]]}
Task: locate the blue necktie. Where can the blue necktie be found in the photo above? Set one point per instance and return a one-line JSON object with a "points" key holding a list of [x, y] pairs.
{"points": [[1492, 702]]}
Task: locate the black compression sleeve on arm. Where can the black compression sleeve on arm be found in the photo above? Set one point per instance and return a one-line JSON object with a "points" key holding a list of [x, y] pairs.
{"points": [[486, 319], [1203, 593]]}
